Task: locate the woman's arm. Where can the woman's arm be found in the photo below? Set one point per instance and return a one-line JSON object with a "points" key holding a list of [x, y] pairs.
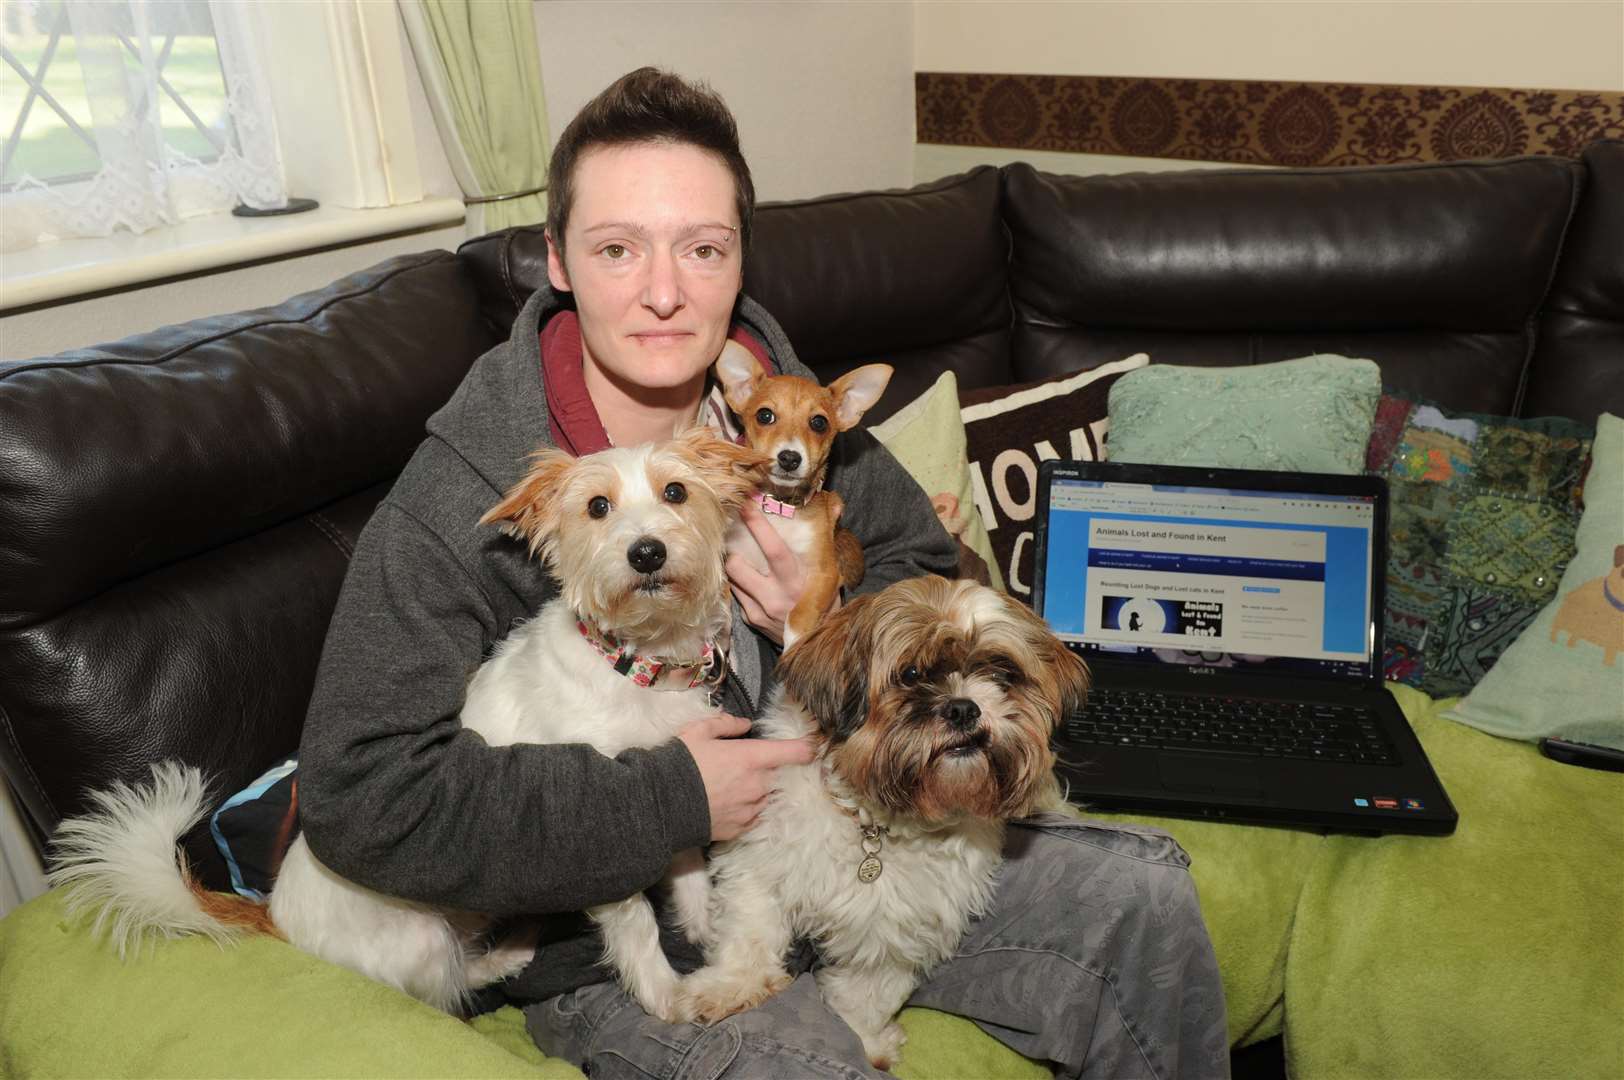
{"points": [[889, 513]]}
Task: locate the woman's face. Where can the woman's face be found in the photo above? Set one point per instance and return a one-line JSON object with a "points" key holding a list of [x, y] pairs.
{"points": [[652, 253]]}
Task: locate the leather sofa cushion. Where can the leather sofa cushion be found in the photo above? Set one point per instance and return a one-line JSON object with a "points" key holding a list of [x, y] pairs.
{"points": [[1579, 364], [506, 267], [1434, 272], [176, 515], [913, 278]]}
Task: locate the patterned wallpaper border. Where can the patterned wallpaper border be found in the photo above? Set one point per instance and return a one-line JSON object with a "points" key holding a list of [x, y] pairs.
{"points": [[1258, 123]]}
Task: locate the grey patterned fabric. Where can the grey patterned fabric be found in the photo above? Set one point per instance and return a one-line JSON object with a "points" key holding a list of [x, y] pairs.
{"points": [[1094, 958]]}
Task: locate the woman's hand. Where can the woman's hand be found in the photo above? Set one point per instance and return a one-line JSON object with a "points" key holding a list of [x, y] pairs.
{"points": [[767, 597], [737, 772]]}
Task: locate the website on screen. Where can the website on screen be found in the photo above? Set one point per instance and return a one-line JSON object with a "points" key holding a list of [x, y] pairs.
{"points": [[1246, 576]]}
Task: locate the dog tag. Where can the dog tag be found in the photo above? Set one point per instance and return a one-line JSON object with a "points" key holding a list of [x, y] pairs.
{"points": [[870, 867]]}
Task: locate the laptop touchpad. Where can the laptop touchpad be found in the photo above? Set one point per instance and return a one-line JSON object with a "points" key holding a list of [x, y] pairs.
{"points": [[1211, 773]]}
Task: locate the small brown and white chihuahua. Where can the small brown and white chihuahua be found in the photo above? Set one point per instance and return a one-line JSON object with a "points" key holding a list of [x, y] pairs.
{"points": [[794, 421]]}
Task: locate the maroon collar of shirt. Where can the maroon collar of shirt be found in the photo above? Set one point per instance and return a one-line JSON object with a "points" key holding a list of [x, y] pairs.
{"points": [[576, 426]]}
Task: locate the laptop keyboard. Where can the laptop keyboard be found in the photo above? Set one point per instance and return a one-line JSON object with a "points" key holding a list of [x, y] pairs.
{"points": [[1222, 725]]}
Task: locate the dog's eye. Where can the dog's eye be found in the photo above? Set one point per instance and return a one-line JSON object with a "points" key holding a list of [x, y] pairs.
{"points": [[765, 416], [1004, 671], [675, 493], [819, 424], [597, 507], [909, 676]]}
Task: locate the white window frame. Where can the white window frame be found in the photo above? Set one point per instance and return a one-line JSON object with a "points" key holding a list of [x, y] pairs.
{"points": [[344, 123], [341, 83]]}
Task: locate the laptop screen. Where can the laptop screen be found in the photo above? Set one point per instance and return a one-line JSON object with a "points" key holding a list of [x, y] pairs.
{"points": [[1212, 576]]}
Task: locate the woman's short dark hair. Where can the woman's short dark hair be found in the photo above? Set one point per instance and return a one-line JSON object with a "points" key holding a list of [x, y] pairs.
{"points": [[648, 106]]}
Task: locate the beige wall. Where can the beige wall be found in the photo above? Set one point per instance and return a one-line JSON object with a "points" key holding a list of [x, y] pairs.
{"points": [[1557, 45], [822, 91]]}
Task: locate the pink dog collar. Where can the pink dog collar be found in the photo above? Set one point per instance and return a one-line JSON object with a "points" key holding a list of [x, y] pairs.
{"points": [[650, 673], [770, 505]]}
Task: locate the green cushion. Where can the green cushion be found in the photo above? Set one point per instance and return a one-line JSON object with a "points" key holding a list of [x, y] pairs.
{"points": [[926, 436], [70, 1007], [1308, 415], [1495, 952], [1564, 675], [942, 1046]]}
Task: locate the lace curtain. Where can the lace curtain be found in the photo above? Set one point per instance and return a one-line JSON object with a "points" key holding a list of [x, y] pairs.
{"points": [[144, 179]]}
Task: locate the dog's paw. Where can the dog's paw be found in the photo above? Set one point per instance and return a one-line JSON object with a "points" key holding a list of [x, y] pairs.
{"points": [[503, 960], [700, 930], [662, 1002], [884, 1049], [655, 989], [712, 994], [669, 1010]]}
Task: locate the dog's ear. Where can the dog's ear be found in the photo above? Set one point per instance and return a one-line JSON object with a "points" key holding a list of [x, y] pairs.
{"points": [[1618, 555], [739, 372], [1054, 661], [1071, 674], [733, 471], [530, 509], [827, 670], [856, 392]]}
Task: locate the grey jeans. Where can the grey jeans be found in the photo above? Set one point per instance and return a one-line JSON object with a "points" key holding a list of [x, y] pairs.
{"points": [[1094, 958]]}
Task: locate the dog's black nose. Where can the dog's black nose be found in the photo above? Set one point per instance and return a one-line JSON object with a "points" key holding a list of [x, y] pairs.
{"points": [[646, 555], [789, 460], [962, 714]]}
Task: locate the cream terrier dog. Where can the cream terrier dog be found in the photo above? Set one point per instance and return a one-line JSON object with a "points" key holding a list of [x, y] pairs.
{"points": [[624, 657], [931, 704]]}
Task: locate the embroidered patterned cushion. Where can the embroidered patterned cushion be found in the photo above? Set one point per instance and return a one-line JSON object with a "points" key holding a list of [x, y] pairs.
{"points": [[1307, 415], [1564, 675], [1481, 529]]}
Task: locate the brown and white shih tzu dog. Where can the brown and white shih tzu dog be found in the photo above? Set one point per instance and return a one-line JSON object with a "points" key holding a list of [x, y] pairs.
{"points": [[931, 704], [625, 656]]}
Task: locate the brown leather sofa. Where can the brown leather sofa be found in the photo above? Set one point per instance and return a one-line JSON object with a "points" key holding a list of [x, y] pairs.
{"points": [[177, 508]]}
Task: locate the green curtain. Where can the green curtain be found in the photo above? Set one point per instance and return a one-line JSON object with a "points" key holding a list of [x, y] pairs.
{"points": [[482, 73]]}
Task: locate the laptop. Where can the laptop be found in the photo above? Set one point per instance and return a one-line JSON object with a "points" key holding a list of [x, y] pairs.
{"points": [[1232, 622]]}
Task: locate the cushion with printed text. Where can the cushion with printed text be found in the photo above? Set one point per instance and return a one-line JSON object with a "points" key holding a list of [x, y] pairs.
{"points": [[1009, 430]]}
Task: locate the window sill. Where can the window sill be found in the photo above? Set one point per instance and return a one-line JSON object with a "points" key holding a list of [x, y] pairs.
{"points": [[69, 268]]}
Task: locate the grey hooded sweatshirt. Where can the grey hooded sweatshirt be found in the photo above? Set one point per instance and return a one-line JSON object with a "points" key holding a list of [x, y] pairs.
{"points": [[395, 795]]}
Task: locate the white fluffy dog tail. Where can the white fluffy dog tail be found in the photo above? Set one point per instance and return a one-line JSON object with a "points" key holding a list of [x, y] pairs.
{"points": [[121, 860]]}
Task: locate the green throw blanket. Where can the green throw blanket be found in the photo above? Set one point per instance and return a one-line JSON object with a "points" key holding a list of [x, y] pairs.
{"points": [[1497, 952], [1494, 952]]}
